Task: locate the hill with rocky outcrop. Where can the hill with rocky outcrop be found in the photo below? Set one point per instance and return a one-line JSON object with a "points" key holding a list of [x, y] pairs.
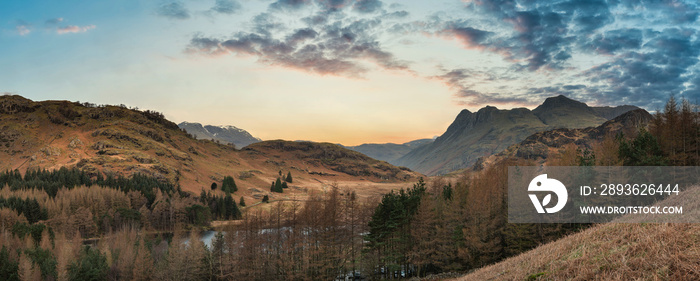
{"points": [[539, 146], [123, 141]]}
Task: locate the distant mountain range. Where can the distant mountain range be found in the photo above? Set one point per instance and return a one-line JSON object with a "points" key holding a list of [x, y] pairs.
{"points": [[388, 152], [226, 134], [490, 130]]}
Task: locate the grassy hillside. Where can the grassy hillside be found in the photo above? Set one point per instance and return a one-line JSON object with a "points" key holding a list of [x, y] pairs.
{"points": [[331, 156], [612, 251], [115, 139]]}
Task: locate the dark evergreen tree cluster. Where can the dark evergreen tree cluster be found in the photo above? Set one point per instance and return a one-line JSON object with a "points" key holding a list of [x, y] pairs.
{"points": [[643, 150], [36, 231], [217, 207], [390, 227], [45, 260], [229, 185], [28, 207], [8, 268], [52, 181], [278, 186], [91, 265]]}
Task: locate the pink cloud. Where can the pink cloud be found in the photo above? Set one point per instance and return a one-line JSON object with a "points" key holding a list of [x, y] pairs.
{"points": [[74, 29], [23, 29]]}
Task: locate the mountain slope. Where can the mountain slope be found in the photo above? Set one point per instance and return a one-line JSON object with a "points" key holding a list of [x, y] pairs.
{"points": [[472, 135], [388, 152], [117, 140], [608, 112], [226, 134], [491, 130], [540, 145], [562, 112]]}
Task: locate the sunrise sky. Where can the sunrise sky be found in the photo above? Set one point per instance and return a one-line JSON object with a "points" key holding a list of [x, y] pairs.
{"points": [[347, 71]]}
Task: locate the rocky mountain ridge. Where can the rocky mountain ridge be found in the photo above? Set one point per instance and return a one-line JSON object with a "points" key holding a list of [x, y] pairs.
{"points": [[490, 130]]}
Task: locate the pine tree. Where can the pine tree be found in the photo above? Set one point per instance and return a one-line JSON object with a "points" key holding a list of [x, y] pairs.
{"points": [[232, 211], [229, 184], [644, 150], [278, 186], [266, 199], [242, 202], [8, 268], [214, 185], [284, 185], [92, 265], [289, 177]]}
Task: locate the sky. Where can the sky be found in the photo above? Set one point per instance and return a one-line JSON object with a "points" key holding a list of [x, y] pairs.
{"points": [[348, 71]]}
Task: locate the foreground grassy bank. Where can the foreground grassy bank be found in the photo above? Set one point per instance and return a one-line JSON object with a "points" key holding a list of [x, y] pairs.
{"points": [[615, 251]]}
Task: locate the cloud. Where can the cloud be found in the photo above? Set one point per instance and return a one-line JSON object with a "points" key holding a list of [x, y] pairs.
{"points": [[464, 83], [367, 6], [677, 12], [333, 5], [532, 34], [360, 6], [173, 10], [615, 41], [266, 23], [666, 64], [53, 21], [621, 51], [643, 50], [341, 48], [469, 36], [226, 6], [23, 27], [74, 29], [287, 5]]}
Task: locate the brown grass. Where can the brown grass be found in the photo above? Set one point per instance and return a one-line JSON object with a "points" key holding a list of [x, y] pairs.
{"points": [[614, 251]]}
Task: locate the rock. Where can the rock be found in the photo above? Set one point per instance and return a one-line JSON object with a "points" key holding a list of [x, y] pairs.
{"points": [[75, 143]]}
